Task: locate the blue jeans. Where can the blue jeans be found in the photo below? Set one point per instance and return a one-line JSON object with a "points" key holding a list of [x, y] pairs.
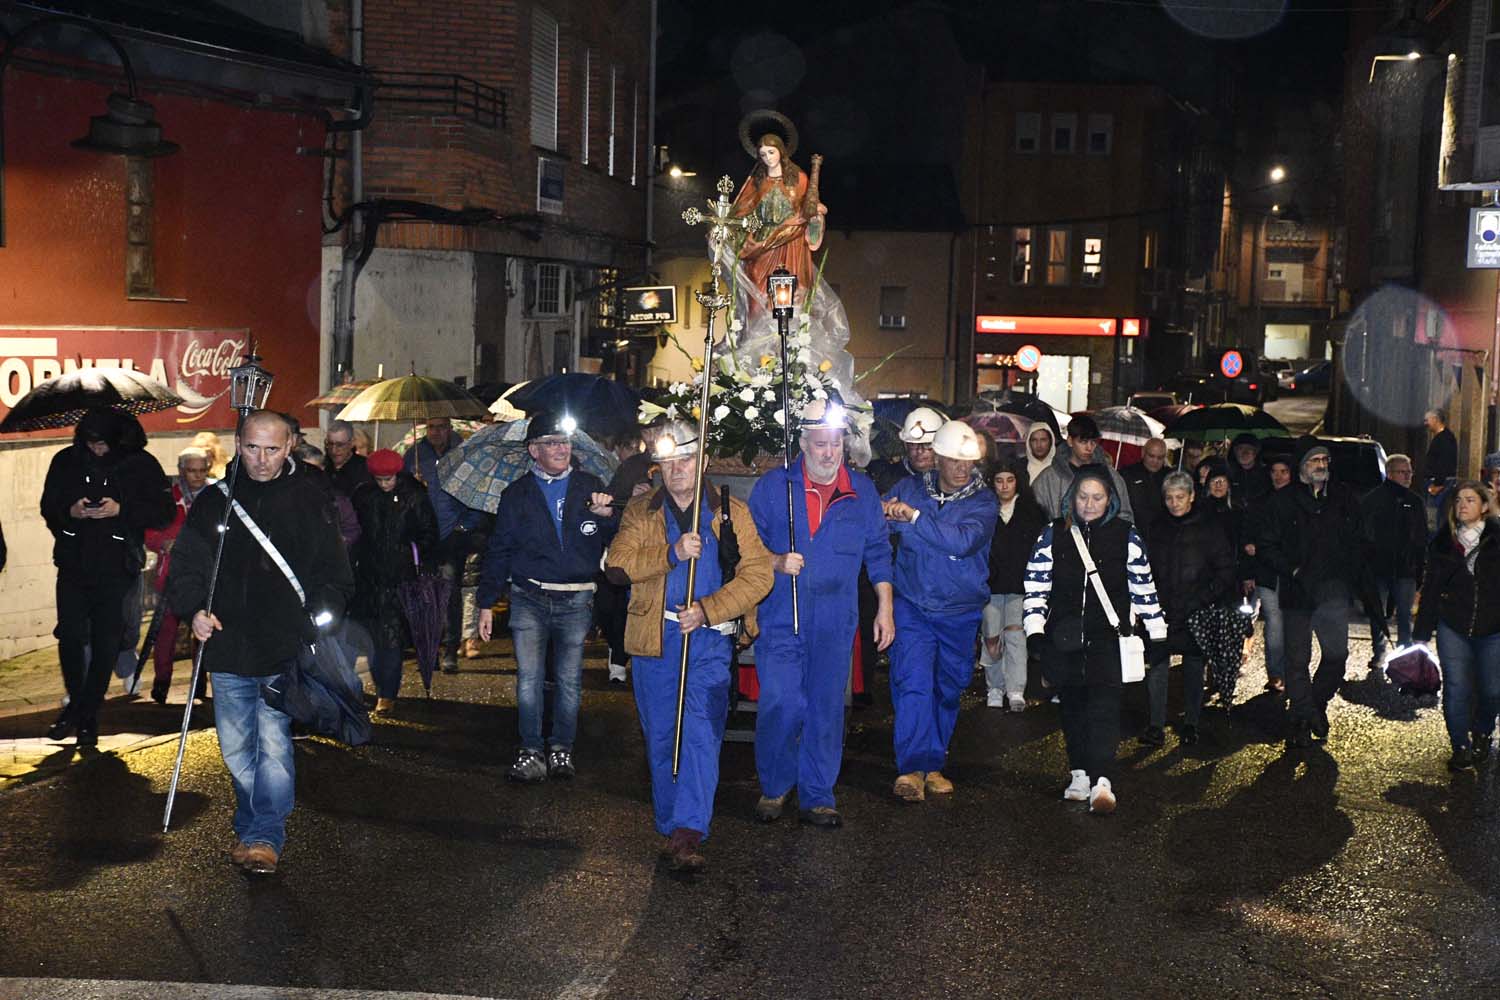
{"points": [[1402, 591], [1470, 666], [1274, 631], [537, 617], [256, 741]]}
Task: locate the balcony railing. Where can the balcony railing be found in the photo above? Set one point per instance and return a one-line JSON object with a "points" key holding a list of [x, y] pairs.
{"points": [[443, 94], [1305, 293]]}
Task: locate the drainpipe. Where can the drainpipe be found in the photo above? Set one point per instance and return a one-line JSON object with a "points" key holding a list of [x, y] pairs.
{"points": [[966, 337], [651, 145], [342, 354]]}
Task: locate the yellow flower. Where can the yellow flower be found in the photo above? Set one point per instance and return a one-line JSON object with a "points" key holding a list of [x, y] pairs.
{"points": [[697, 412], [824, 366], [767, 360], [697, 364]]}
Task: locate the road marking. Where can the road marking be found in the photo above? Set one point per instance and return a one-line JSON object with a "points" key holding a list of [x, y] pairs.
{"points": [[132, 989]]}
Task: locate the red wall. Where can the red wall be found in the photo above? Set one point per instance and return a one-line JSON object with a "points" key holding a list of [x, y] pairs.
{"points": [[238, 233]]}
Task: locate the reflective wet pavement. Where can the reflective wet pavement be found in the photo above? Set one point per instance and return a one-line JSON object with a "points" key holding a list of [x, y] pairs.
{"points": [[1230, 869]]}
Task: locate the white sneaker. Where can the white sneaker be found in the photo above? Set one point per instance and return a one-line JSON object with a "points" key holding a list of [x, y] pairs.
{"points": [[1078, 788], [995, 699], [1102, 798], [1017, 702], [617, 673]]}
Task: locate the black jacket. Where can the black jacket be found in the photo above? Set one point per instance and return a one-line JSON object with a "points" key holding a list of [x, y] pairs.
{"points": [[1468, 603], [1314, 545], [128, 474], [389, 525], [264, 623], [524, 545], [1249, 484], [348, 479], [1146, 501], [1011, 545], [1194, 568], [1442, 457], [1395, 522], [1252, 530], [885, 475]]}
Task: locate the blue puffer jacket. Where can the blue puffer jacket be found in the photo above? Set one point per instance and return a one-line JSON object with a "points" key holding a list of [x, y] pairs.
{"points": [[943, 561]]}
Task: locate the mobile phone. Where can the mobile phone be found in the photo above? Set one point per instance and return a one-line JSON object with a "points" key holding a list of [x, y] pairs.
{"points": [[93, 503]]}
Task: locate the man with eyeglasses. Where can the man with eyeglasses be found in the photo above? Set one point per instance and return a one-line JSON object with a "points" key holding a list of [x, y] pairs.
{"points": [[345, 467], [551, 531]]}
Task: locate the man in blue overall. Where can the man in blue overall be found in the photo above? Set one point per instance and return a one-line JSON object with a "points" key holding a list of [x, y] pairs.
{"points": [[650, 555], [946, 518], [550, 534], [799, 724]]}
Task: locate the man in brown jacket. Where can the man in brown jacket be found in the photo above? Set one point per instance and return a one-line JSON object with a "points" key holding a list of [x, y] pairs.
{"points": [[651, 553]]}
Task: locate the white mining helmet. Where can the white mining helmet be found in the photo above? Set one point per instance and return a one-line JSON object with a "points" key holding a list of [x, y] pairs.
{"points": [[956, 439], [678, 439], [824, 413], [921, 425]]}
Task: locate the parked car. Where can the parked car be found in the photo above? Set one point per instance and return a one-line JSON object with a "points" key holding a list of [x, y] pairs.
{"points": [[1358, 461], [1314, 378], [1211, 387], [1149, 401]]}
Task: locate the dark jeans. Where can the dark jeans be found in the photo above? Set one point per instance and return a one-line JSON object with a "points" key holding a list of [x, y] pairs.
{"points": [[1330, 622], [1401, 591], [1091, 727], [90, 612], [456, 549], [385, 671], [1192, 690], [1471, 684], [611, 606]]}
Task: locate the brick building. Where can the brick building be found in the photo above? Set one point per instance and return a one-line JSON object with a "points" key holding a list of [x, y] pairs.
{"points": [[504, 185]]}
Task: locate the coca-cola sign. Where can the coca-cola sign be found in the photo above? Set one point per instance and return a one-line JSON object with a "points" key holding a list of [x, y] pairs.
{"points": [[192, 363]]}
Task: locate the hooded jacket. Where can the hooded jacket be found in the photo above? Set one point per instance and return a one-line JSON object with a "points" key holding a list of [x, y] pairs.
{"points": [[1011, 545], [1036, 466], [942, 563], [126, 473]]}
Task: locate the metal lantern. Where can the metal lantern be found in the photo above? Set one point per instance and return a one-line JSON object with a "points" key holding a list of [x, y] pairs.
{"points": [[781, 286], [249, 386]]}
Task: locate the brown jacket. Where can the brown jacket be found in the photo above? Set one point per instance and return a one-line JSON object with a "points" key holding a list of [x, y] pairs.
{"points": [[638, 559]]}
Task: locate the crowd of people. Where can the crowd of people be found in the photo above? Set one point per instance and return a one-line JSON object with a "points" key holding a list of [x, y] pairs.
{"points": [[952, 557]]}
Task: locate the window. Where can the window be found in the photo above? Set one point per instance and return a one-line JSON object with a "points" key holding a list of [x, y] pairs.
{"points": [[893, 307], [543, 79], [614, 80], [1057, 256], [1093, 261], [1028, 132], [588, 101], [635, 131], [1020, 256], [553, 290], [1064, 127], [1100, 135]]}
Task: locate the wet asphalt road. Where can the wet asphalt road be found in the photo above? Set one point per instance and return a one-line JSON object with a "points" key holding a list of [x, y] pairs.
{"points": [[1231, 870]]}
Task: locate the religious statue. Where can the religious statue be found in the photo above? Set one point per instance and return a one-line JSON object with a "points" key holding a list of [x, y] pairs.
{"points": [[785, 200]]}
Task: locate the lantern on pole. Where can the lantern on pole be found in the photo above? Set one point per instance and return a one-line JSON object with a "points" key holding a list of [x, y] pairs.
{"points": [[781, 289]]}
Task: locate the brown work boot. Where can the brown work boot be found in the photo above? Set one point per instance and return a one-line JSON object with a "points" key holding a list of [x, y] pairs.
{"points": [[937, 784], [768, 809], [685, 854], [909, 787], [237, 853], [260, 859]]}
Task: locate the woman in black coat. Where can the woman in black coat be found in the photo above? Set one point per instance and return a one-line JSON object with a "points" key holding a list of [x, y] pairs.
{"points": [[1021, 520], [1194, 567], [398, 539]]}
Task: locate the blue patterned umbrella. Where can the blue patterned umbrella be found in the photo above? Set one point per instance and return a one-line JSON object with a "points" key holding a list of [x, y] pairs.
{"points": [[478, 471]]}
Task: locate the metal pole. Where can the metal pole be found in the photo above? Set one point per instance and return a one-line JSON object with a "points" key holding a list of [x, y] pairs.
{"points": [[782, 323]]}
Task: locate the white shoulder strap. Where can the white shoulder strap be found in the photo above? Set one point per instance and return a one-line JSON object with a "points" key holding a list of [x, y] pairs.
{"points": [[265, 543], [1093, 575]]}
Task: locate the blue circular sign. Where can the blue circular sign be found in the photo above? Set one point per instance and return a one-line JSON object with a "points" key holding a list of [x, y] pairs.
{"points": [[1231, 364]]}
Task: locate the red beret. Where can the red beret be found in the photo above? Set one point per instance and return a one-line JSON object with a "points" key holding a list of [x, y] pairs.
{"points": [[383, 463]]}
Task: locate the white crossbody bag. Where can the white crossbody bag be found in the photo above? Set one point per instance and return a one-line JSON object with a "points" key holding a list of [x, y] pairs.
{"points": [[1132, 647]]}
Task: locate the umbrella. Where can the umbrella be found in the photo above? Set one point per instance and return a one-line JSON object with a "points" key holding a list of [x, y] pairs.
{"points": [[424, 601], [478, 471], [341, 395], [412, 398], [1129, 428], [600, 405], [1226, 420], [1000, 426], [1022, 404], [463, 428], [1168, 414], [63, 400]]}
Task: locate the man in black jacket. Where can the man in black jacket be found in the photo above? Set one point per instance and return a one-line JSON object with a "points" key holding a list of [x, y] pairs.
{"points": [[1312, 538], [1396, 531], [1248, 478], [1143, 481], [101, 494], [346, 468], [259, 623], [1441, 465]]}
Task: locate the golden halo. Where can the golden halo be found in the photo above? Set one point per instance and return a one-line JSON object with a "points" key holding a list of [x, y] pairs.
{"points": [[784, 125]]}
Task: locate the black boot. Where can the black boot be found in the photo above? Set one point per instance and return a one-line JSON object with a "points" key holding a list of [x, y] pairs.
{"points": [[60, 729], [88, 733]]}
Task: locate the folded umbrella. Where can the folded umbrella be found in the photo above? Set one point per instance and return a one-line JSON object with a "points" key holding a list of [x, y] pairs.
{"points": [[477, 471], [424, 602], [322, 692], [63, 400]]}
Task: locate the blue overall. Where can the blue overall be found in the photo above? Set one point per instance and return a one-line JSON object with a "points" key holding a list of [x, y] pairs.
{"points": [[799, 723], [942, 586], [687, 803]]}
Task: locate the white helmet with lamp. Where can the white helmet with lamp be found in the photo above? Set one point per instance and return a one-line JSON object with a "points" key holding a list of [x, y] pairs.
{"points": [[921, 425], [957, 440], [675, 439]]}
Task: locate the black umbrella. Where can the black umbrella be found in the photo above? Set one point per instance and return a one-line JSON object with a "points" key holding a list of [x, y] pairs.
{"points": [[602, 406], [1022, 404], [62, 401], [1223, 421], [424, 601]]}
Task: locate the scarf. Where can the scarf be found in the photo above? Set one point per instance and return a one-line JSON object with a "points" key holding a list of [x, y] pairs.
{"points": [[930, 483], [1468, 540], [188, 493]]}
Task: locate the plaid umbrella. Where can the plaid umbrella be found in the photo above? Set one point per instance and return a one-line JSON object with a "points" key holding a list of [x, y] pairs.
{"points": [[1223, 421], [63, 400], [1127, 424], [341, 395], [424, 601], [478, 471], [1001, 426]]}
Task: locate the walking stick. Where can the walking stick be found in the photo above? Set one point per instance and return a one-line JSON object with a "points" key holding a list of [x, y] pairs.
{"points": [[249, 388], [148, 644], [720, 222], [781, 286]]}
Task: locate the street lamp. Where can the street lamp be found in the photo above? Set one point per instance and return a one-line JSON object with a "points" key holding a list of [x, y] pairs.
{"points": [[249, 386]]}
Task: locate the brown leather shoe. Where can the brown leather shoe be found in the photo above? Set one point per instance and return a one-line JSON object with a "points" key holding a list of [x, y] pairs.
{"points": [[937, 784], [768, 809], [237, 853], [909, 787], [685, 854], [260, 859], [383, 706]]}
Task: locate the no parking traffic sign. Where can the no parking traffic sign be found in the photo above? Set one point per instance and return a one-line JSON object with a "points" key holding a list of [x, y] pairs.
{"points": [[1231, 363], [1029, 358]]}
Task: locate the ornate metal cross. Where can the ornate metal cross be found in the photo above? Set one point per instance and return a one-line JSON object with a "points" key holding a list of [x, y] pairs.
{"points": [[720, 225]]}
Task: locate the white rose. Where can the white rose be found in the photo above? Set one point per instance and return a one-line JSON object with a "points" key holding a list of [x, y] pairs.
{"points": [[721, 411], [747, 395], [751, 413], [769, 395], [804, 356], [781, 416]]}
